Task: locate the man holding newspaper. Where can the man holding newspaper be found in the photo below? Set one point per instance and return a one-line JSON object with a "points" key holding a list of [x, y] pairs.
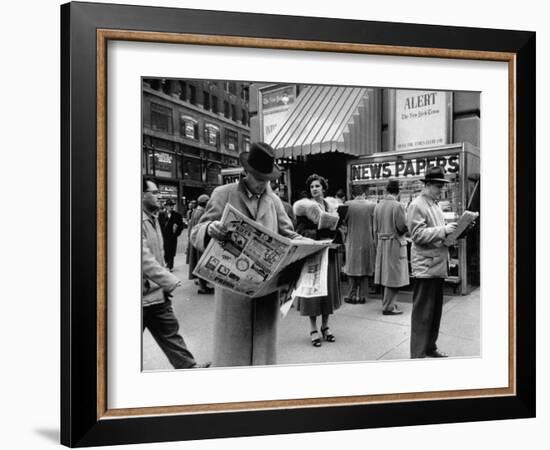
{"points": [[254, 232]]}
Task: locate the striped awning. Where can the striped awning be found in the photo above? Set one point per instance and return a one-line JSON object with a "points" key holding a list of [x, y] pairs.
{"points": [[327, 119]]}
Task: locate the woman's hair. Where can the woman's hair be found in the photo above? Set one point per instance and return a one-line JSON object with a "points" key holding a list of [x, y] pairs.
{"points": [[320, 179]]}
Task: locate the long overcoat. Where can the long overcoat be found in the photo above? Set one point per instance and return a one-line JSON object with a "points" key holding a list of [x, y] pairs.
{"points": [[391, 246], [426, 223], [245, 328], [360, 249]]}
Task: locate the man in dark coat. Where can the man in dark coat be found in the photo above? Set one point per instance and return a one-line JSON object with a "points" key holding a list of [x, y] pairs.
{"points": [[429, 260], [391, 270], [360, 250], [171, 224]]}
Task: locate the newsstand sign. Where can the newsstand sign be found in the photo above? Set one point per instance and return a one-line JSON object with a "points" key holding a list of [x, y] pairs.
{"points": [[413, 167]]}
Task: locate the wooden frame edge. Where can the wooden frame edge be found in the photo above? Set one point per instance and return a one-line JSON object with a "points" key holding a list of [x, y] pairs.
{"points": [[103, 36]]}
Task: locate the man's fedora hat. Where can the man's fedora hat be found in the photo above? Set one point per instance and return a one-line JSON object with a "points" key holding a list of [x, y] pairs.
{"points": [[260, 161], [435, 175]]}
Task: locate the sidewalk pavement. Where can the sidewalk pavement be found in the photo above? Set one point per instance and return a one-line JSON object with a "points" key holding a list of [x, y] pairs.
{"points": [[362, 332]]}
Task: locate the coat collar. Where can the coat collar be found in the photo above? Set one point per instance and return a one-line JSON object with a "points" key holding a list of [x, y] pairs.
{"points": [[250, 200]]}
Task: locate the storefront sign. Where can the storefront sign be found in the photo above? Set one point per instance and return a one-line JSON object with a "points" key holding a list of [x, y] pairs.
{"points": [[167, 191], [163, 164], [275, 104], [422, 119], [414, 167]]}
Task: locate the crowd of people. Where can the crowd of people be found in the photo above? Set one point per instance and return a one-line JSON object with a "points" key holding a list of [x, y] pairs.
{"points": [[370, 241]]}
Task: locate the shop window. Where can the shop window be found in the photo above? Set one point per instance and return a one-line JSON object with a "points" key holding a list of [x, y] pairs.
{"points": [[161, 118], [212, 134], [191, 169], [212, 173], [231, 140], [189, 127], [162, 144]]}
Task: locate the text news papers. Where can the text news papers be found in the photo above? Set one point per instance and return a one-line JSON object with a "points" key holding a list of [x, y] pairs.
{"points": [[251, 260]]}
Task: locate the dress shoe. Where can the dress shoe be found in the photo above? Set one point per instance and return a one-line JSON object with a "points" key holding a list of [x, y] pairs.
{"points": [[201, 366], [393, 312], [436, 354]]}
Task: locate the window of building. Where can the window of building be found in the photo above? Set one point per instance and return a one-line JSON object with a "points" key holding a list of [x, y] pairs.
{"points": [[212, 173], [161, 118], [189, 127], [212, 134], [231, 139], [183, 91], [226, 109], [246, 144], [206, 99], [233, 113], [244, 116], [215, 104], [245, 94], [192, 94]]}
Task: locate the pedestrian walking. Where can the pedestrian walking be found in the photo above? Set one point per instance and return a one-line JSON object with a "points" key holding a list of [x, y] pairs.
{"points": [[245, 328], [171, 224], [158, 285], [360, 249], [194, 254], [429, 260], [391, 268], [307, 213]]}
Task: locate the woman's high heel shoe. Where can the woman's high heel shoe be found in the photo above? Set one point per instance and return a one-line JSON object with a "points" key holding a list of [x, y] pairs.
{"points": [[315, 341], [327, 335]]}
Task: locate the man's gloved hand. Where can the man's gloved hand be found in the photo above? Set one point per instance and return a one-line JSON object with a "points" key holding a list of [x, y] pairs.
{"points": [[450, 227]]}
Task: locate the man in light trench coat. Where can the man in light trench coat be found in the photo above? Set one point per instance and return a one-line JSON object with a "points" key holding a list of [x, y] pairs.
{"points": [[429, 260], [391, 269], [245, 328]]}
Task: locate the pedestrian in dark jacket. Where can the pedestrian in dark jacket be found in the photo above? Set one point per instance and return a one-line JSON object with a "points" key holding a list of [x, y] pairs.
{"points": [[171, 224]]}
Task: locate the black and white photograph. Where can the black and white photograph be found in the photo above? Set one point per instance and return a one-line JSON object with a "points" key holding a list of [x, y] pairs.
{"points": [[298, 224]]}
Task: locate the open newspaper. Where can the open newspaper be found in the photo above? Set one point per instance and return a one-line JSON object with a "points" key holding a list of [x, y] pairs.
{"points": [[251, 261], [464, 222]]}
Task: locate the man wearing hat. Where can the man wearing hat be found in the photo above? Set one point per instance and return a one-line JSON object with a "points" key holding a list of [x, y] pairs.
{"points": [[391, 268], [429, 260], [245, 328], [194, 254], [171, 224]]}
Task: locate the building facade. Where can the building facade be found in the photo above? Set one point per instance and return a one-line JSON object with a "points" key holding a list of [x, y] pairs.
{"points": [[192, 129]]}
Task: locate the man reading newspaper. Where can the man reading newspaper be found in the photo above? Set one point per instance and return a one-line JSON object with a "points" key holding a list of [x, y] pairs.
{"points": [[245, 327]]}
